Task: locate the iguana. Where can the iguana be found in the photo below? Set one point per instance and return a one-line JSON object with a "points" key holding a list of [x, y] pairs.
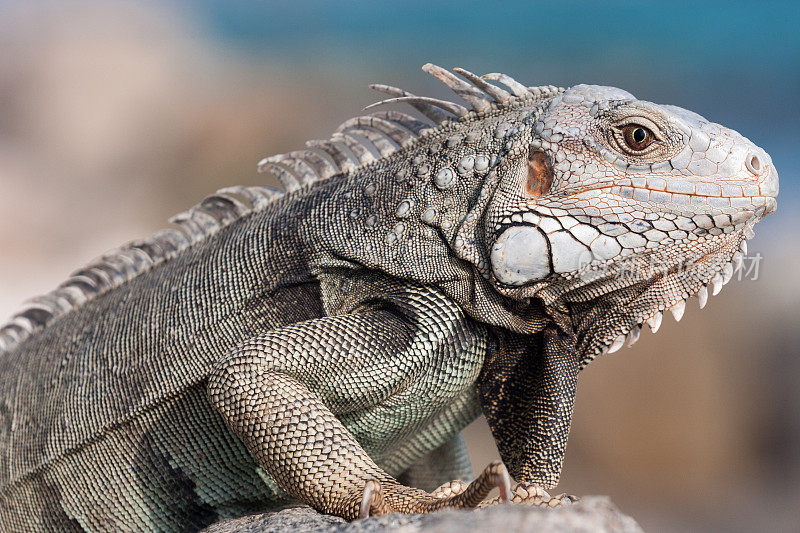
{"points": [[328, 342]]}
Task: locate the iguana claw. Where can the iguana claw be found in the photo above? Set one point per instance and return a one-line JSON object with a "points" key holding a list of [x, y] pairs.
{"points": [[372, 499], [562, 500]]}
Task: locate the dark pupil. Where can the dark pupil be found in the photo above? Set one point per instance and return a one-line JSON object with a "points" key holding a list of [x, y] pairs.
{"points": [[639, 135]]}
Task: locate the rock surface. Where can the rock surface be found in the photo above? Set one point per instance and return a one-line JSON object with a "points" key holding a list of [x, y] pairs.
{"points": [[590, 514]]}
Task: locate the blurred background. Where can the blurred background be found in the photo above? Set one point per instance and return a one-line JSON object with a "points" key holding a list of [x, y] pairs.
{"points": [[116, 115]]}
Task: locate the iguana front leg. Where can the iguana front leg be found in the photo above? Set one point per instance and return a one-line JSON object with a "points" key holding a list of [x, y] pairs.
{"points": [[386, 370], [527, 391]]}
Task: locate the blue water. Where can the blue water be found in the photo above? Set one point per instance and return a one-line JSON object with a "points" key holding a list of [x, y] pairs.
{"points": [[736, 63]]}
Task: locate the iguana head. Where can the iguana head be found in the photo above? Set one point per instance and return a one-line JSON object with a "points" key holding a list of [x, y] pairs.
{"points": [[606, 202]]}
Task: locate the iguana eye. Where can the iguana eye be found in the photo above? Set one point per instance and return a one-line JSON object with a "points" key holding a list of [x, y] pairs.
{"points": [[637, 137]]}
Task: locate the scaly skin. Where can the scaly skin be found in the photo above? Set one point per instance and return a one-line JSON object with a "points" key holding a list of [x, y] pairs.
{"points": [[325, 343]]}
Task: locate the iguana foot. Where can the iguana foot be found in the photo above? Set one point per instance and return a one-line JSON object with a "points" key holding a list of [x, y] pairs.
{"points": [[532, 494], [456, 494]]}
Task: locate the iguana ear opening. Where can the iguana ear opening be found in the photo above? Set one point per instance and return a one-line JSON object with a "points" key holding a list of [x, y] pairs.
{"points": [[540, 174]]}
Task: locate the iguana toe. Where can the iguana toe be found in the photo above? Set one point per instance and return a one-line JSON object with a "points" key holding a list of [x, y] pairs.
{"points": [[373, 502], [450, 489]]}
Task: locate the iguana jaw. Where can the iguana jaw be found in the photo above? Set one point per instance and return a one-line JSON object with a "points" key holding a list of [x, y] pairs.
{"points": [[638, 288], [630, 309], [671, 272]]}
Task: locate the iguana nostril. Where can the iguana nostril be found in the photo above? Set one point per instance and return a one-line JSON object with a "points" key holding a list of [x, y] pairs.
{"points": [[753, 164]]}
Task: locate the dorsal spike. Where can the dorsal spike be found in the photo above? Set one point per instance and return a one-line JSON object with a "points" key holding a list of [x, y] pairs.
{"points": [[299, 167], [115, 277], [429, 111], [138, 259], [11, 333], [450, 107], [73, 294], [399, 135], [195, 227], [325, 166], [309, 164], [516, 87], [269, 193], [21, 326], [340, 155], [356, 146], [286, 177], [171, 240], [37, 309], [382, 143], [253, 195], [475, 98], [118, 263], [146, 248], [82, 283], [414, 125], [99, 278], [499, 95], [39, 313], [241, 192], [207, 223], [38, 316], [224, 209], [229, 202]]}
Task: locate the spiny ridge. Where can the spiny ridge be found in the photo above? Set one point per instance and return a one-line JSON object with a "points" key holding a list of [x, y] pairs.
{"points": [[356, 140], [132, 259]]}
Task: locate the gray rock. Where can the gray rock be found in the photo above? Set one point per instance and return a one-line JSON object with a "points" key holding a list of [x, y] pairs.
{"points": [[590, 514]]}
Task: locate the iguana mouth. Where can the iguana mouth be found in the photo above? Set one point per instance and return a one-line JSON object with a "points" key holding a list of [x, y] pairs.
{"points": [[745, 203]]}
